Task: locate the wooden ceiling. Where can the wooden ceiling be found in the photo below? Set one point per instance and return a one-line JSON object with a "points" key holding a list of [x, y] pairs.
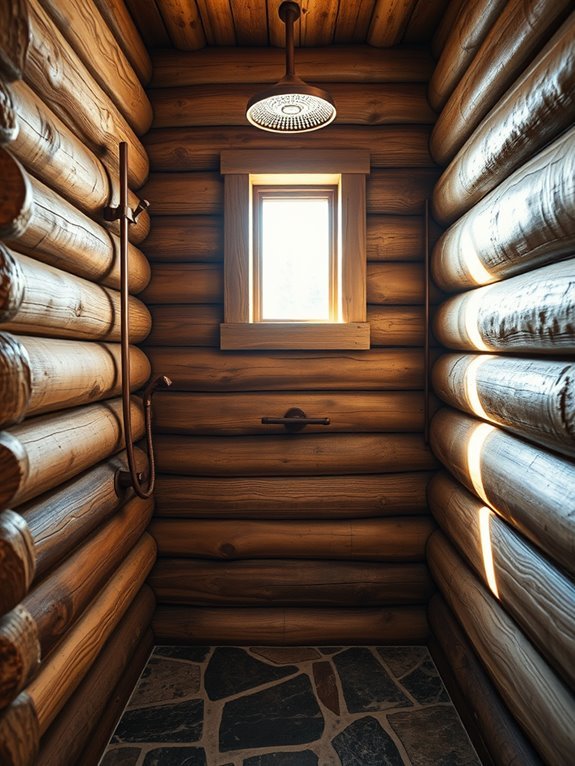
{"points": [[192, 24]]}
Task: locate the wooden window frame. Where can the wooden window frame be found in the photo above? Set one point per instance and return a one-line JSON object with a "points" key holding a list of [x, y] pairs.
{"points": [[239, 330]]}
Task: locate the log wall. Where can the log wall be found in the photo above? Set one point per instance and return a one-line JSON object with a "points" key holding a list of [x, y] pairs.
{"points": [[503, 557], [336, 515], [74, 554]]}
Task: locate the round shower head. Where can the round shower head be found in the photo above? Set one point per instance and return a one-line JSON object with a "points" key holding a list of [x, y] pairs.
{"points": [[290, 106]]}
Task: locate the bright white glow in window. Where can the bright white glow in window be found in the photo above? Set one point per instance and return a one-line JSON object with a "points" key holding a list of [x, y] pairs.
{"points": [[295, 259]]}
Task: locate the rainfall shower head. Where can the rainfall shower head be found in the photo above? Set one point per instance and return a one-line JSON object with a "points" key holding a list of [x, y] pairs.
{"points": [[290, 106]]}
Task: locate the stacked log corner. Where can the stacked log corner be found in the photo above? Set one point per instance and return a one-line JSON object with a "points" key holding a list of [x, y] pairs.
{"points": [[275, 520], [62, 520], [503, 558]]}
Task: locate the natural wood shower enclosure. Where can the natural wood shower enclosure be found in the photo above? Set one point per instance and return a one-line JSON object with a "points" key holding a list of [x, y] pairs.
{"points": [[357, 533]]}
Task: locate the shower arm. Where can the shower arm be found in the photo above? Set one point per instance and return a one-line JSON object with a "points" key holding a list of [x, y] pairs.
{"points": [[132, 477]]}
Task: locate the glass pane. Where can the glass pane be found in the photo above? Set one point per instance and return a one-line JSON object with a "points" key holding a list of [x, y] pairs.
{"points": [[295, 278]]}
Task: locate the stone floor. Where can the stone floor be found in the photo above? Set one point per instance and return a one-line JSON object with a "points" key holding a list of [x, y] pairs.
{"points": [[326, 706]]}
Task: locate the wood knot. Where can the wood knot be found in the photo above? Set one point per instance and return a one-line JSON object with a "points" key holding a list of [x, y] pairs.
{"points": [[15, 380], [228, 550], [12, 285]]}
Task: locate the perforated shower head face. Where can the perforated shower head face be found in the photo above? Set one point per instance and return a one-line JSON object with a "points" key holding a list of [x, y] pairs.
{"points": [[290, 106]]}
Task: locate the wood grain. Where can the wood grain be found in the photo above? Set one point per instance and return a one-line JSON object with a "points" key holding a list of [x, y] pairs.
{"points": [[183, 23], [285, 455], [181, 239], [127, 36], [19, 733], [534, 593], [389, 22], [538, 699], [530, 488], [302, 497]]}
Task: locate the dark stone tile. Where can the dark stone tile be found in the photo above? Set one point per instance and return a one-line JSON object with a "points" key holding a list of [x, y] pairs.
{"points": [[402, 659], [365, 682], [232, 670], [285, 714], [164, 680], [434, 736], [326, 685], [180, 722], [190, 653], [366, 743], [176, 756], [304, 758], [121, 756], [425, 684], [282, 655]]}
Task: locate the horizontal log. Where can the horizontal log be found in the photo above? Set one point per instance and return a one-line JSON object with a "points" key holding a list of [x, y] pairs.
{"points": [[357, 104], [285, 455], [289, 583], [396, 326], [526, 485], [48, 450], [212, 371], [59, 521], [118, 18], [290, 627], [533, 398], [199, 148], [40, 375], [76, 97], [387, 283], [185, 194], [186, 325], [19, 733], [58, 600], [199, 325], [88, 703], [79, 175], [18, 559], [357, 64], [176, 239], [392, 539], [395, 238], [349, 336], [515, 37], [304, 497], [535, 110], [399, 192], [42, 300], [100, 735], [104, 59], [468, 31], [241, 413], [505, 741], [389, 191], [526, 221], [534, 694], [537, 595], [53, 231], [65, 668], [20, 646], [529, 313]]}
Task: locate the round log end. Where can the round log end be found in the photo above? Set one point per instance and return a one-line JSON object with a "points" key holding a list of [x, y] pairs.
{"points": [[16, 197], [14, 39], [8, 121], [17, 560], [15, 380], [19, 733], [19, 653], [12, 283], [14, 467]]}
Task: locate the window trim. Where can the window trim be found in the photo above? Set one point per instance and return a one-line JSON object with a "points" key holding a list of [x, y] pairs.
{"points": [[239, 331]]}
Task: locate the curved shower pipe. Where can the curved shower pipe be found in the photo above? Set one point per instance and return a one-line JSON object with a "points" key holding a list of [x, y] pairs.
{"points": [[124, 214]]}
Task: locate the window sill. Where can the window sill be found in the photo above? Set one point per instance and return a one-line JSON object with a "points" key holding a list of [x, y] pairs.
{"points": [[306, 336]]}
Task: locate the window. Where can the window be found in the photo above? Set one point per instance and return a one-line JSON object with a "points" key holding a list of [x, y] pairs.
{"points": [[294, 270]]}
